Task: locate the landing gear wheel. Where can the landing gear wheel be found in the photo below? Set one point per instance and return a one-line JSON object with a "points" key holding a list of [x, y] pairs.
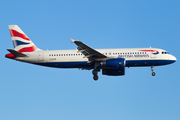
{"points": [[95, 77], [94, 72], [153, 73]]}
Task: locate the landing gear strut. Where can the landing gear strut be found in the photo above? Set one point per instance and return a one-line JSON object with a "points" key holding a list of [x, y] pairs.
{"points": [[153, 73], [95, 72]]}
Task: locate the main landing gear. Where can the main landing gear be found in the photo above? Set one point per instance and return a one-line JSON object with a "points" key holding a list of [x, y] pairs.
{"points": [[153, 73], [95, 72]]}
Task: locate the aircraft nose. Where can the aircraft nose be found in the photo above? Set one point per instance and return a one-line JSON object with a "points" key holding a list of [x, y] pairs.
{"points": [[173, 58]]}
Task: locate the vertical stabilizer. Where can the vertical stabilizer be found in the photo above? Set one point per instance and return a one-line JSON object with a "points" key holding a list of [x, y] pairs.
{"points": [[20, 40]]}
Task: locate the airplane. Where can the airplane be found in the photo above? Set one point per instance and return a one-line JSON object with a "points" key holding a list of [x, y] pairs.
{"points": [[112, 62]]}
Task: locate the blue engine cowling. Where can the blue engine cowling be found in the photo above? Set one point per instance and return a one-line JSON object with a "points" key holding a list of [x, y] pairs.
{"points": [[114, 72], [114, 63], [114, 67]]}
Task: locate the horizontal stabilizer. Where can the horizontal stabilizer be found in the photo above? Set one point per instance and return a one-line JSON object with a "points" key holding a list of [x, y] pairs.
{"points": [[16, 53]]}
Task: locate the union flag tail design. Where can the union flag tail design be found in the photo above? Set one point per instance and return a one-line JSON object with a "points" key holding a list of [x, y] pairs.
{"points": [[20, 41]]}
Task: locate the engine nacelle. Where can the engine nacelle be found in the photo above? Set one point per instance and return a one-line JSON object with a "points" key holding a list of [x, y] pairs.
{"points": [[114, 63], [114, 72]]}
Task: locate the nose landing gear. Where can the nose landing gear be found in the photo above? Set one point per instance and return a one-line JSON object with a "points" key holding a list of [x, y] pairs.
{"points": [[153, 73]]}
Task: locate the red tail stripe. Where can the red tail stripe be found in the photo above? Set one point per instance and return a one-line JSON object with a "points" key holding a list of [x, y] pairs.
{"points": [[28, 49], [10, 55], [17, 34]]}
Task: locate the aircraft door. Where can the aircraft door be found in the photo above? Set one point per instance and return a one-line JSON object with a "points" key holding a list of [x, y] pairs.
{"points": [[154, 53], [40, 56]]}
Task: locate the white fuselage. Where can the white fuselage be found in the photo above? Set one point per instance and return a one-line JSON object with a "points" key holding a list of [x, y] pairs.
{"points": [[133, 57]]}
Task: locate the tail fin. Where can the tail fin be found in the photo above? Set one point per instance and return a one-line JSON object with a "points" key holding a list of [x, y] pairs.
{"points": [[20, 41]]}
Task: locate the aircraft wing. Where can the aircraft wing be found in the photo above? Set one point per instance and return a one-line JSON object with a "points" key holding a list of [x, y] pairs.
{"points": [[87, 51]]}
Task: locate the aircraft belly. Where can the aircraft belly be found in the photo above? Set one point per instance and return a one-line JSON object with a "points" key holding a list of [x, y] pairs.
{"points": [[77, 64], [154, 62]]}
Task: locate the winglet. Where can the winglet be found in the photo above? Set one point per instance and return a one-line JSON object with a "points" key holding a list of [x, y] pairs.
{"points": [[72, 41]]}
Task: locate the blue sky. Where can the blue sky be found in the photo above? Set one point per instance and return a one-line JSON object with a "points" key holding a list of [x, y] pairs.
{"points": [[34, 92]]}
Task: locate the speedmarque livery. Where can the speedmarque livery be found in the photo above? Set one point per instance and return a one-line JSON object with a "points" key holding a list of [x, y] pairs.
{"points": [[111, 61]]}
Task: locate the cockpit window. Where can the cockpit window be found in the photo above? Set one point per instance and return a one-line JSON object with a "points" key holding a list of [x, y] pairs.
{"points": [[164, 52]]}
